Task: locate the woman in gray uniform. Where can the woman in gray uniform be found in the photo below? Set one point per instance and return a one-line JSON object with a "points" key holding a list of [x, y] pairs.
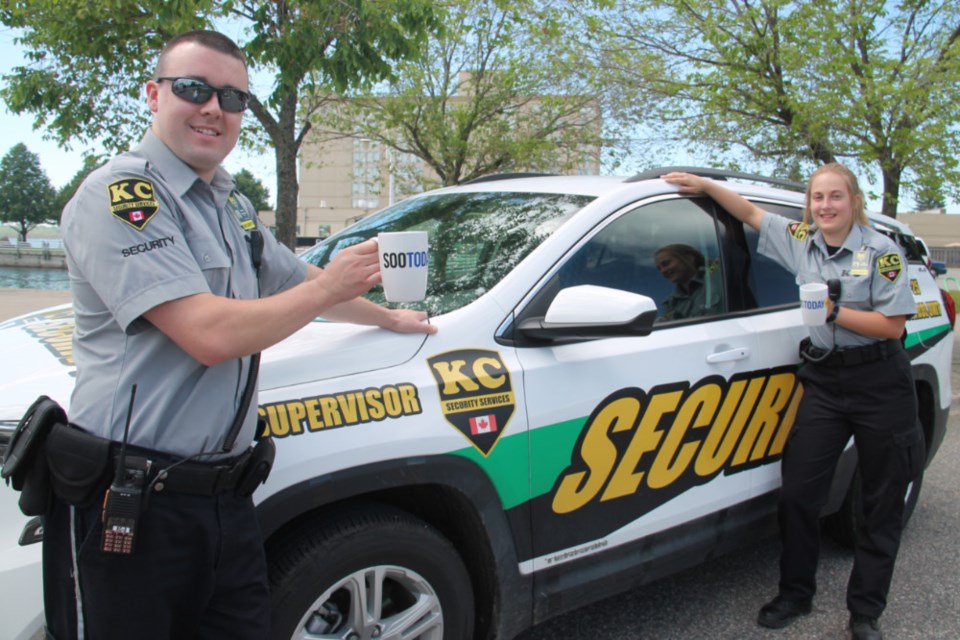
{"points": [[857, 382]]}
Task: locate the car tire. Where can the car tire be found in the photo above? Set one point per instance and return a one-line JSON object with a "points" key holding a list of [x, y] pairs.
{"points": [[843, 525], [371, 571]]}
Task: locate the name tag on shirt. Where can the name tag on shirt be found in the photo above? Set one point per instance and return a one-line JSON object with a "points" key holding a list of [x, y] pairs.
{"points": [[860, 266]]}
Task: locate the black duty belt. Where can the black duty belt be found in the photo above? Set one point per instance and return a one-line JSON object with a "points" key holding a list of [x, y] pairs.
{"points": [[851, 356], [167, 473]]}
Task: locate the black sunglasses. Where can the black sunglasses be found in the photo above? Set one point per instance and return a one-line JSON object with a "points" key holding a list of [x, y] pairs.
{"points": [[199, 92]]}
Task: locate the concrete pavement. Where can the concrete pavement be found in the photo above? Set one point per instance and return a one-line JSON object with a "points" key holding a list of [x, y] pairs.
{"points": [[15, 302]]}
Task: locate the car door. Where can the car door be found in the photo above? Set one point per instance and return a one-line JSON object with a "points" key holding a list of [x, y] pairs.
{"points": [[636, 438]]}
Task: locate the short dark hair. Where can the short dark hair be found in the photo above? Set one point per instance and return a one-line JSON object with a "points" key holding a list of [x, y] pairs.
{"points": [[210, 39]]}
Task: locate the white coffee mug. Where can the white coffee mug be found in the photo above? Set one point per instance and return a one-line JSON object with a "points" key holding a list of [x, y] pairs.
{"points": [[813, 303], [403, 265]]}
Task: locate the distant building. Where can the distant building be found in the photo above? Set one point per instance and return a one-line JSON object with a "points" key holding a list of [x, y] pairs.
{"points": [[344, 179]]}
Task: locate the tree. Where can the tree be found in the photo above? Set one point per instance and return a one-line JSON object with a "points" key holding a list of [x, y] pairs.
{"points": [[26, 195], [929, 201], [88, 61], [66, 192], [869, 82], [250, 186], [480, 101]]}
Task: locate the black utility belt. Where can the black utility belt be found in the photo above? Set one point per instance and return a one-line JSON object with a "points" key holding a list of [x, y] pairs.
{"points": [[167, 473], [241, 474], [850, 356]]}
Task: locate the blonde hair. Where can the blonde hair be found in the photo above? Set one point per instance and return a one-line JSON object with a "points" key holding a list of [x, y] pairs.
{"points": [[853, 188]]}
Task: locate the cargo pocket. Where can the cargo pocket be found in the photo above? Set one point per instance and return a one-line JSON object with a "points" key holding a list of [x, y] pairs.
{"points": [[79, 465], [914, 451]]}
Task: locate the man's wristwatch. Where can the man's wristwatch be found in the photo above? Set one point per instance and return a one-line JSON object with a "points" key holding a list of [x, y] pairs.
{"points": [[833, 313]]}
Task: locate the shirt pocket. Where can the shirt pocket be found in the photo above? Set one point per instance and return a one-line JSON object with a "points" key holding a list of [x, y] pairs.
{"points": [[212, 260], [854, 289]]}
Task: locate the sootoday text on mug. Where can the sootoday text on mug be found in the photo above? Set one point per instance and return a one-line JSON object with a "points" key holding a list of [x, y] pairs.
{"points": [[813, 303], [403, 265]]}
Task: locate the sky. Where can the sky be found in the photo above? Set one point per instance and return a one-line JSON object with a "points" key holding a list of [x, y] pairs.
{"points": [[61, 166]]}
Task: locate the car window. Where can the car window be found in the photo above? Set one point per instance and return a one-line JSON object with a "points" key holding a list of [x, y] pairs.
{"points": [[667, 250], [771, 284], [475, 239]]}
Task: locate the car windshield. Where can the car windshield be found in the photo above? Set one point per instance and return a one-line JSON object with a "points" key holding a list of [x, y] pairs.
{"points": [[475, 239]]}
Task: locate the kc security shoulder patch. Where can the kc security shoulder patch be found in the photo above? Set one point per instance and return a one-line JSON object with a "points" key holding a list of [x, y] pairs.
{"points": [[798, 230], [133, 201], [890, 266]]}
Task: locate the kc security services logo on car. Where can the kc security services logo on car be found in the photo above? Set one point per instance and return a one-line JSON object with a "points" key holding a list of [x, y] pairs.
{"points": [[476, 394]]}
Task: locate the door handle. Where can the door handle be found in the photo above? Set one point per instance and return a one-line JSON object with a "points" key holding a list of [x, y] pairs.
{"points": [[738, 353]]}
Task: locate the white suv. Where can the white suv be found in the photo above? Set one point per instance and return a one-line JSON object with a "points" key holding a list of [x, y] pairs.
{"points": [[560, 439]]}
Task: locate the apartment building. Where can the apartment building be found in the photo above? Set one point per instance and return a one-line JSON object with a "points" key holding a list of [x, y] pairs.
{"points": [[345, 178]]}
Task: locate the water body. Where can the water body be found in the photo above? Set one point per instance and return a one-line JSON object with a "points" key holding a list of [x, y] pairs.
{"points": [[26, 278]]}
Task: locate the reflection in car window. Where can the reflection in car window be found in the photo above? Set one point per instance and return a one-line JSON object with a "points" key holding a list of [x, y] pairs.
{"points": [[475, 239], [666, 250]]}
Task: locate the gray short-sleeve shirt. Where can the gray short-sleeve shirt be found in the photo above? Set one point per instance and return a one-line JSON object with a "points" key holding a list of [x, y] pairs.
{"points": [[142, 230], [870, 267]]}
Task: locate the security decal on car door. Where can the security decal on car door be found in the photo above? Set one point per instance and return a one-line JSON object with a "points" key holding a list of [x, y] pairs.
{"points": [[476, 395], [638, 450]]}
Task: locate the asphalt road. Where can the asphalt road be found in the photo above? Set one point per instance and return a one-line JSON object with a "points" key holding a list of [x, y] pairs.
{"points": [[720, 599]]}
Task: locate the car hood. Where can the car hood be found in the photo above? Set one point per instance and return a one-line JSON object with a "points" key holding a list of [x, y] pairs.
{"points": [[324, 350], [37, 353]]}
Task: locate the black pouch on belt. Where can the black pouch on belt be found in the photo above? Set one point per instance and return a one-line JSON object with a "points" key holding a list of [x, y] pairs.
{"points": [[24, 462], [79, 464], [258, 467]]}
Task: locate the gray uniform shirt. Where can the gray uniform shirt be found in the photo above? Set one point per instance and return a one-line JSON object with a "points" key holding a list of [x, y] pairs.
{"points": [[702, 297], [870, 267], [142, 230]]}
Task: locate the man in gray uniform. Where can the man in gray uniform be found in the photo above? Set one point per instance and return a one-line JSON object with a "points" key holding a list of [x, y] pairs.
{"points": [[175, 290]]}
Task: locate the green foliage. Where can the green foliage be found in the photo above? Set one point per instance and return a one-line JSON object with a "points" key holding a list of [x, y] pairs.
{"points": [[89, 60], [26, 195], [479, 101], [66, 192], [250, 186], [867, 82], [928, 200]]}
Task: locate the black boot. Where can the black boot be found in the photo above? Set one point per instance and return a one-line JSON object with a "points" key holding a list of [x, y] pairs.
{"points": [[864, 628], [780, 612]]}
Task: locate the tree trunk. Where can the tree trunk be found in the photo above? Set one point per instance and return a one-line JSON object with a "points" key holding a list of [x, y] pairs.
{"points": [[891, 189], [286, 143], [288, 190]]}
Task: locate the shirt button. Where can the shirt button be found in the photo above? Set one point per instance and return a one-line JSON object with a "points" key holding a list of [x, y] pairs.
{"points": [[206, 258]]}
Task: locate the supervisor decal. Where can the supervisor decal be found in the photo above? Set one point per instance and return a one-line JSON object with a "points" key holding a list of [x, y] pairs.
{"points": [[638, 450], [476, 394], [54, 330], [347, 409], [928, 309], [133, 201]]}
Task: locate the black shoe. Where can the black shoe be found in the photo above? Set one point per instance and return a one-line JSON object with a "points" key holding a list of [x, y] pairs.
{"points": [[780, 612], [864, 628]]}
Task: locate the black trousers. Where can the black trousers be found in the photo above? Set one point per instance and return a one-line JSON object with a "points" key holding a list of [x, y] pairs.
{"points": [[198, 570], [876, 404]]}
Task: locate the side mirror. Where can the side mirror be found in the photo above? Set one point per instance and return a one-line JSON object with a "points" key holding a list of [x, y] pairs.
{"points": [[588, 311]]}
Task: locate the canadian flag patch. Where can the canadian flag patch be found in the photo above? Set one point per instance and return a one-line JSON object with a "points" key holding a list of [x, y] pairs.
{"points": [[483, 424]]}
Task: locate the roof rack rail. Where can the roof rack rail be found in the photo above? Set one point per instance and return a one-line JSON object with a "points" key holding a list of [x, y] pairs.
{"points": [[718, 174], [507, 176]]}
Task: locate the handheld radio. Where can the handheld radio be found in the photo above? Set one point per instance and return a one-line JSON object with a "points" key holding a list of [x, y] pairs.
{"points": [[123, 502]]}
